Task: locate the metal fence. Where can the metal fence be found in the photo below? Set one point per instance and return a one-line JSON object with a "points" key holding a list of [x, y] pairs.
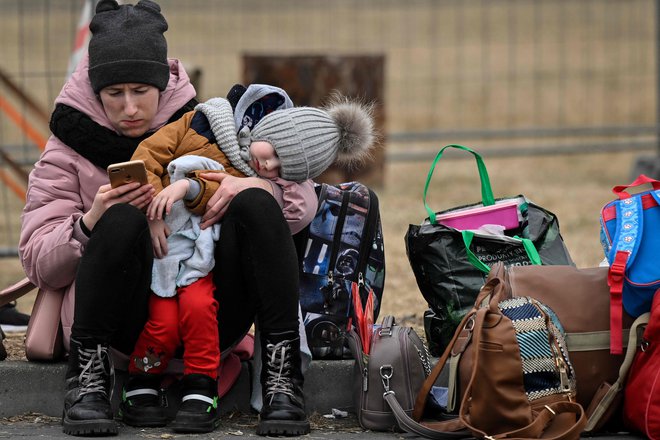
{"points": [[519, 76]]}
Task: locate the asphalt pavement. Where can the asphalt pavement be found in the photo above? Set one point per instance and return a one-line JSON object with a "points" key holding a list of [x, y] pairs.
{"points": [[234, 425], [31, 396]]}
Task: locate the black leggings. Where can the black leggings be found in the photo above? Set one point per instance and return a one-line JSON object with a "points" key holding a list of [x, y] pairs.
{"points": [[256, 273], [256, 268], [114, 275]]}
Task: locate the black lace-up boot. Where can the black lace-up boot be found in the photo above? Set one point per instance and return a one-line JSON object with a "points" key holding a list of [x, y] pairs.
{"points": [[198, 411], [89, 384], [283, 411], [141, 401]]}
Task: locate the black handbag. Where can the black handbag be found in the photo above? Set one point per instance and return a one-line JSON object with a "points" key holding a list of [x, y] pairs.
{"points": [[451, 260]]}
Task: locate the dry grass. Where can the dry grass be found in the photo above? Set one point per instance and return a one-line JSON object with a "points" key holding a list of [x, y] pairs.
{"points": [[574, 187]]}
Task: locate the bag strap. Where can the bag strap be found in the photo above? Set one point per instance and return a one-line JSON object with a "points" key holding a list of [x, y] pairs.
{"points": [[460, 340], [406, 423], [617, 387], [629, 227], [544, 421], [369, 232], [486, 192], [528, 245], [15, 291]]}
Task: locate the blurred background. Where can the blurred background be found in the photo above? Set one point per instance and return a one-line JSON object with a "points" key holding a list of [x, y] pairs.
{"points": [[560, 96]]}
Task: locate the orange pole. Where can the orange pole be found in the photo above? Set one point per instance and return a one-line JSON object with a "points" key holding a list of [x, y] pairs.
{"points": [[6, 80], [16, 188], [22, 123], [14, 166]]}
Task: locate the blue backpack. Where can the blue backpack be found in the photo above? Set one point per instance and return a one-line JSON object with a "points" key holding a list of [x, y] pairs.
{"points": [[630, 235], [341, 253]]}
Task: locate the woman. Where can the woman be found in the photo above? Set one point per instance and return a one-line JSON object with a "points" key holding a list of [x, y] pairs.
{"points": [[83, 239]]}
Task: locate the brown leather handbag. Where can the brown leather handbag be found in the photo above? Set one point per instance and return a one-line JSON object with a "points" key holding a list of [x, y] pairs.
{"points": [[580, 298], [518, 379]]}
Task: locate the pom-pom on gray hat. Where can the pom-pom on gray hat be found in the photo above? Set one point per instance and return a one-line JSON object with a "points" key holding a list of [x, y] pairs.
{"points": [[308, 140], [128, 45]]}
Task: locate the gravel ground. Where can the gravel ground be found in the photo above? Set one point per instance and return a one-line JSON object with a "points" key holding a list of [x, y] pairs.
{"points": [[14, 346]]}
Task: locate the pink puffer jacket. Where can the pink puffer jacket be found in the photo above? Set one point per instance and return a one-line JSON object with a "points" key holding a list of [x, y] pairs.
{"points": [[62, 187]]}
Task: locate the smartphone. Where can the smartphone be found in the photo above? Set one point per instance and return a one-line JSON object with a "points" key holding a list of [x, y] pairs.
{"points": [[127, 172]]}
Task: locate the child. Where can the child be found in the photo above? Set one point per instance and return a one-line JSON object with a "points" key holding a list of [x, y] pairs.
{"points": [[288, 146]]}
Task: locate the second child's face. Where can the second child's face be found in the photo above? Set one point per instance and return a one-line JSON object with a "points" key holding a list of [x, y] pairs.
{"points": [[130, 107], [264, 160]]}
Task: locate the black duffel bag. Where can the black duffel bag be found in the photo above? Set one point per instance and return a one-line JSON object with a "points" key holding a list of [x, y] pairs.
{"points": [[452, 251]]}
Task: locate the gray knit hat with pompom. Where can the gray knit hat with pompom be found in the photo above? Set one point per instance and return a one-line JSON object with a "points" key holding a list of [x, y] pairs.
{"points": [[308, 140]]}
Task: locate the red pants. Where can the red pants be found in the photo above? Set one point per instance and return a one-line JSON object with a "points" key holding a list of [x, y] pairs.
{"points": [[190, 318]]}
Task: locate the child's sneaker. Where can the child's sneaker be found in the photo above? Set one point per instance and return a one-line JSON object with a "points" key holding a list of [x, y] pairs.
{"points": [[141, 403], [11, 320], [198, 411]]}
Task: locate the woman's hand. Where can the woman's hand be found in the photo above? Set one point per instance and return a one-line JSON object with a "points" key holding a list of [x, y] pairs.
{"points": [[133, 193], [229, 187], [159, 232], [164, 200]]}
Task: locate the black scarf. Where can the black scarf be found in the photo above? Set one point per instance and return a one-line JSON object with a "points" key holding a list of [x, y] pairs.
{"points": [[96, 143]]}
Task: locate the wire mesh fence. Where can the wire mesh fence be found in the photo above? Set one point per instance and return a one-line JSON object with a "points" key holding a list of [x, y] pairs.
{"points": [[512, 75]]}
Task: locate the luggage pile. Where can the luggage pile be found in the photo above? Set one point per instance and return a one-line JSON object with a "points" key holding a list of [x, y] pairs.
{"points": [[529, 345]]}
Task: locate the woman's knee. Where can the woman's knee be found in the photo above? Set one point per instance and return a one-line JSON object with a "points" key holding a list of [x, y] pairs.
{"points": [[251, 204], [257, 211], [123, 221], [120, 236]]}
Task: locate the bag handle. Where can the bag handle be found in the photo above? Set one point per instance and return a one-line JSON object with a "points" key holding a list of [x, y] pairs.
{"points": [[486, 192], [530, 249], [642, 179], [15, 291]]}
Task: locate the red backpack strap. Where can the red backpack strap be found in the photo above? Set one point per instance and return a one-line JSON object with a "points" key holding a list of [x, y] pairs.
{"points": [[615, 279], [628, 235]]}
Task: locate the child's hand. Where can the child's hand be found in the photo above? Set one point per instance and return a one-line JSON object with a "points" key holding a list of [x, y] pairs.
{"points": [[162, 203], [159, 232]]}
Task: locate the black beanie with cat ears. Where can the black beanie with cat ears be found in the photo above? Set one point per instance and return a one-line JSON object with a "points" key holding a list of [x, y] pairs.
{"points": [[128, 45]]}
